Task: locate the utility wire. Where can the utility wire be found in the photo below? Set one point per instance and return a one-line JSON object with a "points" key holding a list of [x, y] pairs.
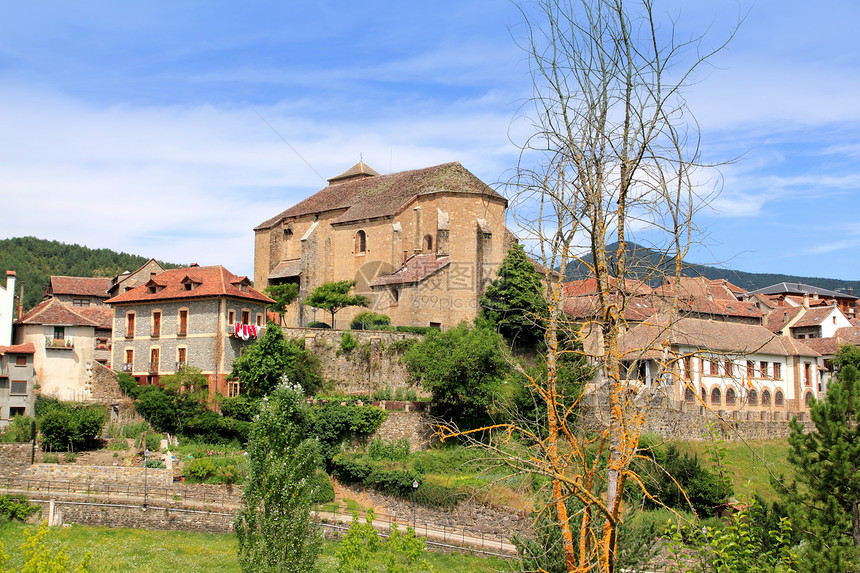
{"points": [[290, 146]]}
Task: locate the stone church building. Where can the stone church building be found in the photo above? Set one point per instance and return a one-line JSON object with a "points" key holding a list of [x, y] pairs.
{"points": [[421, 244]]}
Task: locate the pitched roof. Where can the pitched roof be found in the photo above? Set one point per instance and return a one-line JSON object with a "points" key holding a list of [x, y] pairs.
{"points": [[414, 270], [781, 316], [801, 289], [26, 348], [287, 268], [84, 286], [582, 307], [55, 313], [102, 316], [203, 281], [360, 169], [589, 286], [649, 338], [385, 195], [813, 316]]}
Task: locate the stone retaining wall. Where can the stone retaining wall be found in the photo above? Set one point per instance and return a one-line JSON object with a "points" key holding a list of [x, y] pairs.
{"points": [[416, 427], [133, 477], [372, 366], [15, 459]]}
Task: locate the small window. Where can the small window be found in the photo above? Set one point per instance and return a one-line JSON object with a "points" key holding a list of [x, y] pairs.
{"points": [[154, 360], [17, 411], [232, 389], [156, 323], [246, 317], [428, 243], [777, 374], [765, 397], [183, 322], [763, 369], [750, 369], [128, 365], [731, 397], [713, 368], [778, 398], [752, 398], [129, 325], [82, 302], [19, 388], [231, 317], [437, 325], [4, 383], [688, 368], [59, 332], [360, 242], [807, 374], [259, 319], [181, 358], [716, 397], [689, 395], [730, 371], [20, 360]]}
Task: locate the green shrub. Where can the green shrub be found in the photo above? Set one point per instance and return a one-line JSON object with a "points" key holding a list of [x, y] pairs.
{"points": [[405, 394], [240, 407], [318, 324], [50, 459], [15, 507], [155, 464], [127, 383], [70, 457], [416, 329], [393, 482], [117, 445], [369, 321], [17, 431], [153, 441], [347, 342], [323, 490], [201, 469], [349, 470], [383, 394], [70, 427], [229, 473], [401, 346], [379, 450]]}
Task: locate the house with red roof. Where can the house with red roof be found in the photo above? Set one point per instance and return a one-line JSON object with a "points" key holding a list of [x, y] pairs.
{"points": [[200, 317], [67, 340], [421, 244]]}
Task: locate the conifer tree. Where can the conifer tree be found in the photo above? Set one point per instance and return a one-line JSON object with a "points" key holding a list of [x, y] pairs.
{"points": [[514, 302], [826, 498]]}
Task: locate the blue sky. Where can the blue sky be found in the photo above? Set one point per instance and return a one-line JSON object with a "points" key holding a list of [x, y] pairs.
{"points": [[137, 126]]}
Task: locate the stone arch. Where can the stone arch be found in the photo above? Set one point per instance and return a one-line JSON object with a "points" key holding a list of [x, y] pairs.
{"points": [[427, 244], [731, 396], [360, 241], [752, 398], [807, 398], [689, 395]]}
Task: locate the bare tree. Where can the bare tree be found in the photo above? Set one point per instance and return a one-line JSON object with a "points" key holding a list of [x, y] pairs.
{"points": [[613, 157]]}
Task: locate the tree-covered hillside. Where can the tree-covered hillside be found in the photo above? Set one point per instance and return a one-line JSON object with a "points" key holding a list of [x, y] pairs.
{"points": [[35, 260], [647, 264]]}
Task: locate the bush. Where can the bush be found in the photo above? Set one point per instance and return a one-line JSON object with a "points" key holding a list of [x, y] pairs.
{"points": [[318, 324], [127, 383], [332, 424], [18, 430], [240, 407], [15, 507], [369, 321], [349, 470], [348, 343], [416, 329], [401, 346], [117, 445], [383, 394], [379, 450], [407, 394], [71, 427], [201, 469], [323, 490], [155, 464]]}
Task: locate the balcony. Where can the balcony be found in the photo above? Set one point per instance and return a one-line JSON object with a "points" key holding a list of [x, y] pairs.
{"points": [[60, 343], [153, 367], [155, 333], [182, 331], [126, 367], [180, 366]]}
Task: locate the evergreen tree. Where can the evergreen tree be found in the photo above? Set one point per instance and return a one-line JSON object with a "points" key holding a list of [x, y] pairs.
{"points": [[274, 528], [514, 302], [827, 462]]}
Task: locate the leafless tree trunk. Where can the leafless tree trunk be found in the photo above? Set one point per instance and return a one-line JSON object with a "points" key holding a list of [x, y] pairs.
{"points": [[613, 158]]}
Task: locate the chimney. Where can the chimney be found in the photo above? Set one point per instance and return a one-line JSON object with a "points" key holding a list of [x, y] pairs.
{"points": [[21, 301], [805, 300]]}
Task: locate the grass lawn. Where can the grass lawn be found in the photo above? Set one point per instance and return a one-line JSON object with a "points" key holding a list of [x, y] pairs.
{"points": [[174, 551], [750, 463]]}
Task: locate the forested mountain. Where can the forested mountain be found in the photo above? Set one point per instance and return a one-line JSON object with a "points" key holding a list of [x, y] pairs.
{"points": [[35, 260], [647, 264]]}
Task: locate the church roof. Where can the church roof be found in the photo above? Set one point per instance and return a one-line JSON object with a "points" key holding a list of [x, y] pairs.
{"points": [[372, 196]]}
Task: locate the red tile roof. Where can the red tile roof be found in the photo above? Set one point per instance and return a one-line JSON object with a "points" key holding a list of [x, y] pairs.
{"points": [[385, 195], [84, 286], [212, 281], [587, 307], [814, 316], [780, 316], [414, 270], [101, 315], [26, 348], [55, 313]]}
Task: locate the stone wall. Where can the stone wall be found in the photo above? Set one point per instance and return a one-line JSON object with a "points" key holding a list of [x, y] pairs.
{"points": [[416, 427], [373, 365], [104, 386], [15, 459], [135, 517], [672, 420], [134, 477]]}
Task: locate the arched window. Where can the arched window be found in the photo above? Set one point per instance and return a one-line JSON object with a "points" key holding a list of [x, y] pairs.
{"points": [[704, 395], [730, 397], [778, 398], [689, 395], [428, 243], [360, 242], [808, 398], [716, 396], [752, 398], [765, 397]]}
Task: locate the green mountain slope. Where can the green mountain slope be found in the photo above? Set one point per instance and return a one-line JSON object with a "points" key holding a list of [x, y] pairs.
{"points": [[35, 260], [644, 261]]}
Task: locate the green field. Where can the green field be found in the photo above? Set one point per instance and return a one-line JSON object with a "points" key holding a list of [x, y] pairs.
{"points": [[140, 551]]}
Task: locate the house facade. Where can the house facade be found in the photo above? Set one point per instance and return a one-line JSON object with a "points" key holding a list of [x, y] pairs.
{"points": [[726, 366], [67, 340], [421, 244], [17, 394], [186, 317]]}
